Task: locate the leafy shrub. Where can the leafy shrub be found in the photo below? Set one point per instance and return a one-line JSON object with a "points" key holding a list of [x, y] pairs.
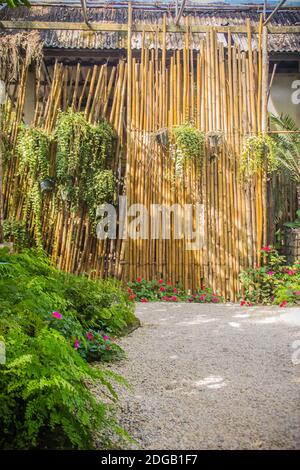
{"points": [[155, 290], [98, 345], [99, 303], [45, 400], [205, 295], [15, 232], [162, 291], [31, 287], [274, 282], [295, 223]]}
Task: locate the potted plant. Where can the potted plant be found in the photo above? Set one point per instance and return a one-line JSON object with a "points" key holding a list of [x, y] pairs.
{"points": [[215, 138], [47, 184]]}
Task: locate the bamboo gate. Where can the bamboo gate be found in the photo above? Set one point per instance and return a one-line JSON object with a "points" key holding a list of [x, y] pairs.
{"points": [[153, 90]]}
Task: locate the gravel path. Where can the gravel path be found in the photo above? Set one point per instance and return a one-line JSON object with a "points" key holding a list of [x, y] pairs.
{"points": [[213, 377]]}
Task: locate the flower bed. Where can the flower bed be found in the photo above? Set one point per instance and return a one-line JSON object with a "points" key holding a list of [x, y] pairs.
{"points": [[273, 283], [161, 290]]}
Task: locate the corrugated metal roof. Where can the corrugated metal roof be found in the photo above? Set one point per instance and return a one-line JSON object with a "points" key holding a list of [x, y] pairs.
{"points": [[118, 40]]}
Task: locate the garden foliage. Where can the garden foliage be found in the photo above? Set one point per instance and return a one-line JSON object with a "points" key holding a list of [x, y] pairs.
{"points": [[272, 283], [160, 290], [52, 323]]}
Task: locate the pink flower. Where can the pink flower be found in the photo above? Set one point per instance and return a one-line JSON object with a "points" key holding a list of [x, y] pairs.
{"points": [[270, 273], [105, 337], [57, 315], [161, 281], [166, 298], [162, 289], [89, 336], [143, 300], [139, 279], [297, 292], [291, 272], [283, 303], [202, 297], [214, 299], [76, 344], [266, 248], [249, 304], [174, 290], [174, 298]]}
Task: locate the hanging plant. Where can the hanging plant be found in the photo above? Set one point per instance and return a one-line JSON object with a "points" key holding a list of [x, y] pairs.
{"points": [[33, 148], [188, 145], [100, 189], [84, 152], [258, 149], [215, 138]]}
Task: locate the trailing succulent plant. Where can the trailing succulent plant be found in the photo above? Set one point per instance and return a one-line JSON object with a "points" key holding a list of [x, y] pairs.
{"points": [[259, 152], [188, 145], [83, 156], [81, 167], [34, 160]]}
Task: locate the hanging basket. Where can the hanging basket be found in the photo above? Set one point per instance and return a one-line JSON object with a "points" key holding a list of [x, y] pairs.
{"points": [[47, 185], [162, 137], [215, 138]]}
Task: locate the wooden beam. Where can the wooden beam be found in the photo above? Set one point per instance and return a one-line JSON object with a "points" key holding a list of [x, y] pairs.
{"points": [[179, 15], [278, 6], [138, 27]]}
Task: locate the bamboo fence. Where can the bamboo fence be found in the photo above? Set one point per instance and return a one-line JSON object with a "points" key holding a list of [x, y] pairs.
{"points": [[219, 90]]}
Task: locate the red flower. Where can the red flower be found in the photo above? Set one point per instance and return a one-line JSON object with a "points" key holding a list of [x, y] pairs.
{"points": [[139, 279], [266, 248], [132, 296], [202, 298], [162, 289], [129, 290], [283, 303], [143, 300], [215, 299], [174, 298], [57, 315], [291, 272], [174, 290], [243, 302], [161, 281], [166, 298]]}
